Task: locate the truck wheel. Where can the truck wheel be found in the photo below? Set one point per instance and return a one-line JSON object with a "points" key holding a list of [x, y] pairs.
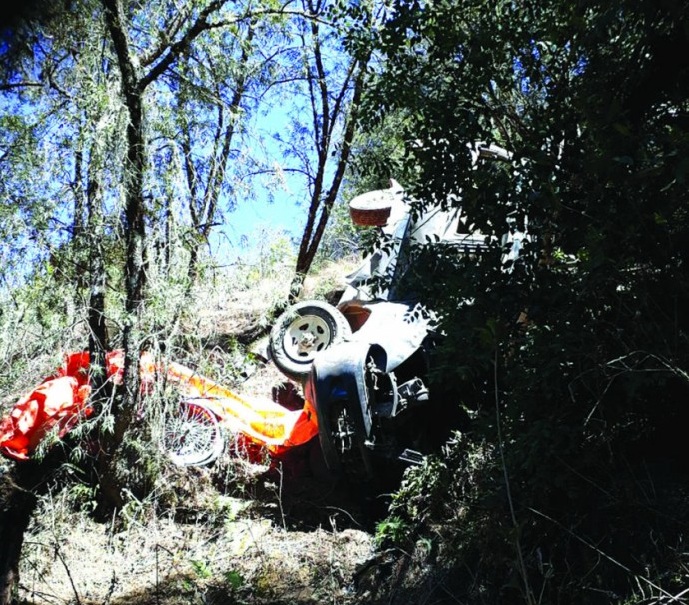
{"points": [[302, 332]]}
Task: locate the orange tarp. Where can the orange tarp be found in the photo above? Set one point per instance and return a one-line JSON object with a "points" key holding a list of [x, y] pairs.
{"points": [[262, 420], [62, 400]]}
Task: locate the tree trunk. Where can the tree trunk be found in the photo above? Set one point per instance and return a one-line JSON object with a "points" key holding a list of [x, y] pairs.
{"points": [[134, 84], [135, 233], [77, 187], [322, 201], [16, 508], [98, 338], [19, 492]]}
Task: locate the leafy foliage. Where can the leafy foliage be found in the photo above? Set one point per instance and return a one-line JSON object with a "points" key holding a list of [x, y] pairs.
{"points": [[572, 358]]}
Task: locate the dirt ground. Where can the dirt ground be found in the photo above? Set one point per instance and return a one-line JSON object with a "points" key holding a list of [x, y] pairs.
{"points": [[233, 555], [240, 531]]}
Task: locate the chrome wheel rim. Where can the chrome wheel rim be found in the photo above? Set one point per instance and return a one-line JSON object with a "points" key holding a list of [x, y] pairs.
{"points": [[305, 337]]}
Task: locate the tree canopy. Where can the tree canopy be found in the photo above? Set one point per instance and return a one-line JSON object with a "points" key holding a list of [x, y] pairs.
{"points": [[572, 357]]}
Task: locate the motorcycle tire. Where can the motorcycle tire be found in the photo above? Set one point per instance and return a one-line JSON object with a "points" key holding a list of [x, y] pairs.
{"points": [[193, 435]]}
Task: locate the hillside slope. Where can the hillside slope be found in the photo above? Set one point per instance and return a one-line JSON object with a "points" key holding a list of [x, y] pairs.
{"points": [[246, 530]]}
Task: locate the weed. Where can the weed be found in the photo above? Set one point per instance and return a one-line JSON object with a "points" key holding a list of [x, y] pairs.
{"points": [[392, 530], [234, 579], [201, 569]]}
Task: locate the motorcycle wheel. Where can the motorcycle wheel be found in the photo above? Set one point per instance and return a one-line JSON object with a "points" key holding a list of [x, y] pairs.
{"points": [[302, 332], [193, 436]]}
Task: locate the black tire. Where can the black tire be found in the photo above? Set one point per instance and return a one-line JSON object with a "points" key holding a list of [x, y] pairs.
{"points": [[303, 331]]}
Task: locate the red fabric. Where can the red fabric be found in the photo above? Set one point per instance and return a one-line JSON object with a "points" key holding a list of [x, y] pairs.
{"points": [[62, 400], [56, 405]]}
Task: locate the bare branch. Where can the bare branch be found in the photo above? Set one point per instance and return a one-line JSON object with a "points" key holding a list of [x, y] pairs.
{"points": [[26, 84], [175, 50], [168, 33]]}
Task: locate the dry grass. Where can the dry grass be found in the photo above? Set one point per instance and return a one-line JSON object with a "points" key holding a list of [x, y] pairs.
{"points": [[242, 531], [233, 308], [228, 551]]}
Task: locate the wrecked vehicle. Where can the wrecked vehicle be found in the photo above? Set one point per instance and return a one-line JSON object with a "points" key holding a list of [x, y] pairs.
{"points": [[364, 363], [201, 413]]}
